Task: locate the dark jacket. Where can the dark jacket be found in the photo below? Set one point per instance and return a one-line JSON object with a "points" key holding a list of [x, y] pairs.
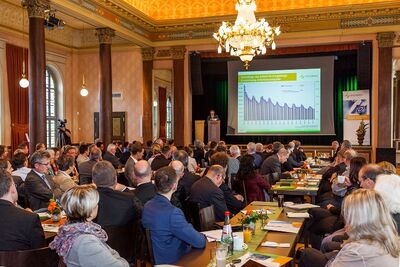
{"points": [[117, 208], [272, 165], [291, 163], [206, 193], [171, 235], [159, 162], [112, 159], [183, 191], [39, 194], [85, 171], [198, 154], [145, 192], [233, 204], [19, 229]]}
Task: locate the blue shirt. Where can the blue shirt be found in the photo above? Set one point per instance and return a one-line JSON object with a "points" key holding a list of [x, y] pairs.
{"points": [[171, 235]]}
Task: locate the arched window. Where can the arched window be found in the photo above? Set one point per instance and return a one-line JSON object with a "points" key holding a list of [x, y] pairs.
{"points": [[51, 108], [168, 131]]}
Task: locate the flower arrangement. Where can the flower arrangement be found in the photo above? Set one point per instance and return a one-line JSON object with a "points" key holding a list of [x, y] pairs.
{"points": [[251, 216], [53, 207]]}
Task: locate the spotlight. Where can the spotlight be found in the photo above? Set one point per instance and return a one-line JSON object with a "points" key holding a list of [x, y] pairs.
{"points": [[51, 22]]}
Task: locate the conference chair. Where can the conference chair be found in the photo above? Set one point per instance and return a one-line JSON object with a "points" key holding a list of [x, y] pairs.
{"points": [[207, 219], [42, 257], [124, 239], [244, 193], [149, 247]]}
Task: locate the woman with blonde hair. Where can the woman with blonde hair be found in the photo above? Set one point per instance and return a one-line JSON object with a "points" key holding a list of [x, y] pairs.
{"points": [[80, 241], [373, 239]]}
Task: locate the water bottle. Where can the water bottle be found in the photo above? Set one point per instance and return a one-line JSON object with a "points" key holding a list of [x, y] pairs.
{"points": [[227, 235]]}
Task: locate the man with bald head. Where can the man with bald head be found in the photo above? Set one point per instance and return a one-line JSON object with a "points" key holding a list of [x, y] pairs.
{"points": [[145, 189]]}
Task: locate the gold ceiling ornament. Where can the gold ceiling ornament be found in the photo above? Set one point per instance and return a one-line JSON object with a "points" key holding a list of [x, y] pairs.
{"points": [[248, 37]]}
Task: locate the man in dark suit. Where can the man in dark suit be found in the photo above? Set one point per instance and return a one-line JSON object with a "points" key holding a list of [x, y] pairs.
{"points": [[116, 208], [110, 156], [39, 186], [273, 164], [171, 235], [163, 159], [19, 229], [188, 178], [145, 189], [212, 116], [206, 191], [85, 168], [291, 163], [136, 150]]}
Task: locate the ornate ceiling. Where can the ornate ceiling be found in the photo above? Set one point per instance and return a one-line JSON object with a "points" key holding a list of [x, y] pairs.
{"points": [[189, 9]]}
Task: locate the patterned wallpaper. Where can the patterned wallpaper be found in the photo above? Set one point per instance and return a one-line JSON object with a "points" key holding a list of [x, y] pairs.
{"points": [[127, 79], [180, 9]]}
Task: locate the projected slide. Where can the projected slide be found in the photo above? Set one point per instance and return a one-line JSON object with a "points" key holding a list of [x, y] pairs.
{"points": [[286, 101]]}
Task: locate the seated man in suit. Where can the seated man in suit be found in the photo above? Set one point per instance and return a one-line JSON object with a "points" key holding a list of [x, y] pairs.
{"points": [[291, 163], [39, 186], [188, 178], [206, 191], [116, 208], [110, 156], [19, 229], [171, 235], [136, 149], [163, 159], [273, 164], [85, 168], [145, 189]]}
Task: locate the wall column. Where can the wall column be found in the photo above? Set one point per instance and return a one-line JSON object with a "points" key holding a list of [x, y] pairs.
{"points": [[147, 121], [37, 71], [385, 44], [105, 36], [396, 98], [178, 56]]}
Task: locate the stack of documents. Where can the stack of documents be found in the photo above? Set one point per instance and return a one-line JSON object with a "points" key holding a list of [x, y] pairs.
{"points": [[281, 226]]}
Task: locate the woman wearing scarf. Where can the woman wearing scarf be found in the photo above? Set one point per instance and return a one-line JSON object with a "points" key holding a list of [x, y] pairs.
{"points": [[80, 241]]}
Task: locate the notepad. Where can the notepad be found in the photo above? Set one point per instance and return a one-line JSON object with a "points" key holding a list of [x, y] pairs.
{"points": [[281, 226], [259, 258], [272, 244], [298, 215], [50, 228], [302, 206]]}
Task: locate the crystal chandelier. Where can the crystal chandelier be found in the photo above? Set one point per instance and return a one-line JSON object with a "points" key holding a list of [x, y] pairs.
{"points": [[247, 37]]}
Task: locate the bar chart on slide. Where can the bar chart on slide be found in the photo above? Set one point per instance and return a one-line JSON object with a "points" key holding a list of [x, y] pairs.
{"points": [[286, 101]]}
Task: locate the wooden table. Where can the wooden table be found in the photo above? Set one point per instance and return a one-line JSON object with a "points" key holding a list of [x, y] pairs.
{"points": [[202, 257], [49, 236], [300, 188]]}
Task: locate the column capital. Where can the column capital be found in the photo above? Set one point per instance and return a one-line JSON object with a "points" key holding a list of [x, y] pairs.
{"points": [[385, 39], [178, 52], [148, 53], [105, 35], [36, 8]]}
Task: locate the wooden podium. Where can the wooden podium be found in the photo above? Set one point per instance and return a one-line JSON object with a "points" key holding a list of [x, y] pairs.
{"points": [[199, 130], [214, 130]]}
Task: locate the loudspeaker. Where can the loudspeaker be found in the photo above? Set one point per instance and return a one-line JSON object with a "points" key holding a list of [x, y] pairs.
{"points": [[196, 82], [364, 66], [386, 154]]}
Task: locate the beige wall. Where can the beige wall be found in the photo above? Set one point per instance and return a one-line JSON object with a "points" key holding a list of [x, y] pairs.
{"points": [[127, 79]]}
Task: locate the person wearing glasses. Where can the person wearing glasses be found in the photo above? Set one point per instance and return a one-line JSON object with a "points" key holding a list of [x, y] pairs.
{"points": [[39, 186]]}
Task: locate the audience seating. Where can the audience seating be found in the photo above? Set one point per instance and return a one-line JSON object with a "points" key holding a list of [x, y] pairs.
{"points": [[42, 257], [271, 178], [207, 218], [123, 239], [149, 247], [244, 193]]}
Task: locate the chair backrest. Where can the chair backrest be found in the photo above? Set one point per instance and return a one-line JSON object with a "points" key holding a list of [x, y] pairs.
{"points": [[150, 247], [271, 178], [244, 193], [207, 218], [192, 213], [42, 257], [123, 239]]}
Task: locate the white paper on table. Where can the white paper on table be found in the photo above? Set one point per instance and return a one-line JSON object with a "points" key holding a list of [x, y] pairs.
{"points": [[251, 256], [298, 215], [302, 206], [281, 226], [50, 228], [257, 211]]}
